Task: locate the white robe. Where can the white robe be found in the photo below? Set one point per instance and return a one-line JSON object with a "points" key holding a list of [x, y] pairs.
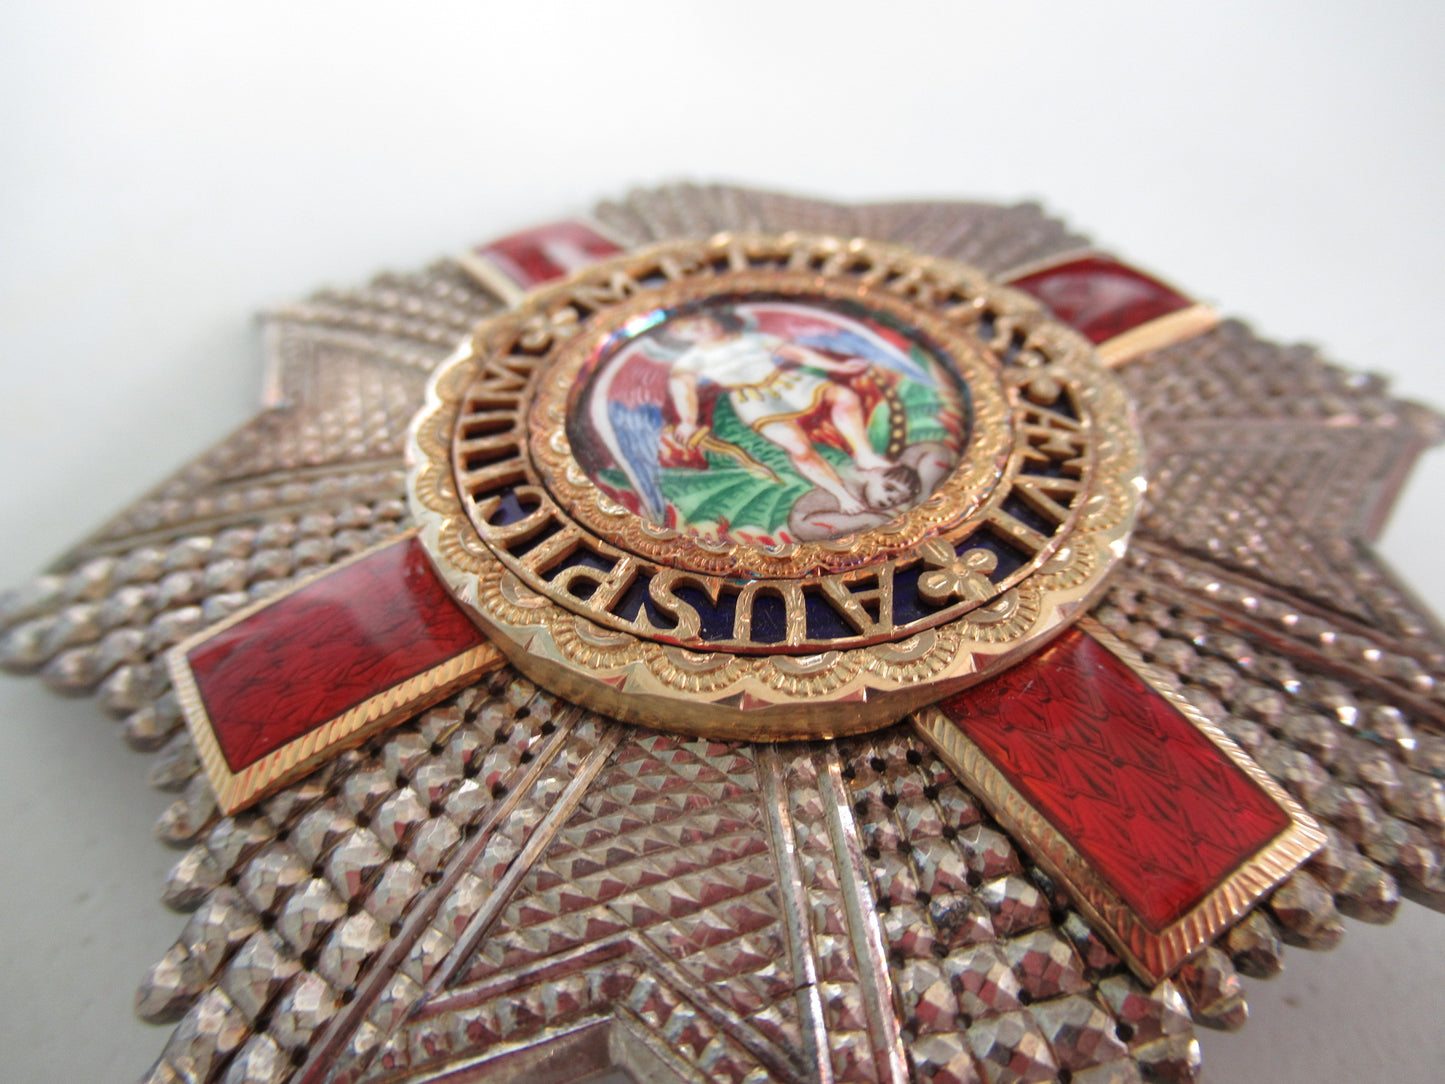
{"points": [[761, 388]]}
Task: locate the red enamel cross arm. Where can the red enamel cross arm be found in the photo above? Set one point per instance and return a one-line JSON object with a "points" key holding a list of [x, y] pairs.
{"points": [[1160, 828], [280, 687], [284, 685], [1118, 308]]}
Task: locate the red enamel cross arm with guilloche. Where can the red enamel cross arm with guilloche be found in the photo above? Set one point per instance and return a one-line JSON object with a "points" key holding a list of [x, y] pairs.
{"points": [[281, 686]]}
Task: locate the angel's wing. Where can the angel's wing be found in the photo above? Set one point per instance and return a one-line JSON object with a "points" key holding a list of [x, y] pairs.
{"points": [[837, 334], [626, 412], [867, 347]]}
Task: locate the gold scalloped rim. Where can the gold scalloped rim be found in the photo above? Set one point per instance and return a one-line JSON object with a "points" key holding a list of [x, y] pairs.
{"points": [[760, 696], [549, 324]]}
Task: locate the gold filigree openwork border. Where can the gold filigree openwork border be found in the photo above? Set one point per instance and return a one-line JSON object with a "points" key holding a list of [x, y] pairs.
{"points": [[760, 695], [491, 443]]}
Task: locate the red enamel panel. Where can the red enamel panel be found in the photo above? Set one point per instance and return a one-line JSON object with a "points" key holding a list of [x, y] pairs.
{"points": [[311, 655], [547, 252], [1100, 296], [1158, 811]]}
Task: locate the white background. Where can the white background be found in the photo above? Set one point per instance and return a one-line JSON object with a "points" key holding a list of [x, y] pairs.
{"points": [[167, 170]]}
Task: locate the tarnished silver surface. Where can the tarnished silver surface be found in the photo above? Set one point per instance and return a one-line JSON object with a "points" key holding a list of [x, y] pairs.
{"points": [[511, 888]]}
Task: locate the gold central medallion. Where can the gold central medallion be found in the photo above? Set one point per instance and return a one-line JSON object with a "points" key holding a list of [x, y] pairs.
{"points": [[773, 487]]}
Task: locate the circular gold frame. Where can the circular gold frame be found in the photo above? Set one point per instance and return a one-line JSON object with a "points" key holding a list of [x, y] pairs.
{"points": [[491, 433], [983, 465]]}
